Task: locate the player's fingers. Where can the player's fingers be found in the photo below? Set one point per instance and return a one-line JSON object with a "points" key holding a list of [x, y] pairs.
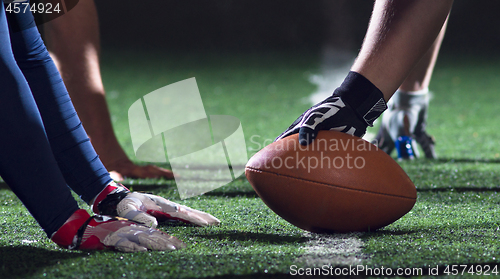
{"points": [[181, 215], [143, 218], [125, 245], [139, 238], [130, 208], [287, 133], [201, 218], [120, 241], [307, 135], [158, 241], [165, 210], [293, 129], [189, 217]]}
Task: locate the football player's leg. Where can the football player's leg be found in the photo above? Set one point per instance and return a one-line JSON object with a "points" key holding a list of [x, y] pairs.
{"points": [[399, 34], [27, 164], [73, 41], [411, 102], [77, 159], [24, 146]]}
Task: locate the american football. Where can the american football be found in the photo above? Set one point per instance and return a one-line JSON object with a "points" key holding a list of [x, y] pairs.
{"points": [[338, 183]]}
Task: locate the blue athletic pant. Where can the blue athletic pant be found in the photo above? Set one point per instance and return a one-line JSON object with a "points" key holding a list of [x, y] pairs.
{"points": [[43, 146]]}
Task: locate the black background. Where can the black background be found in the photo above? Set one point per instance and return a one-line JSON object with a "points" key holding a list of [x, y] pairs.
{"points": [[271, 24]]}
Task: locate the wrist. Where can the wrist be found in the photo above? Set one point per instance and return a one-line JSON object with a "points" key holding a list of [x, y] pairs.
{"points": [[66, 235], [106, 201], [362, 96]]}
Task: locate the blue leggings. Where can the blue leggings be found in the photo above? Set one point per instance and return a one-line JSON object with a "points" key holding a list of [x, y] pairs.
{"points": [[43, 146]]}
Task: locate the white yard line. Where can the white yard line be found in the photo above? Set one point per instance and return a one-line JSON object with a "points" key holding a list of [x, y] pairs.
{"points": [[332, 249]]}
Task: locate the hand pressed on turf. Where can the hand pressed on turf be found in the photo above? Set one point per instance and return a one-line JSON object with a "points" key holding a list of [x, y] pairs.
{"points": [[116, 200], [99, 232], [149, 208]]}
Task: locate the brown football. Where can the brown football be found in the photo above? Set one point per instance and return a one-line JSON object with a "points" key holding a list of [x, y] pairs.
{"points": [[339, 183]]}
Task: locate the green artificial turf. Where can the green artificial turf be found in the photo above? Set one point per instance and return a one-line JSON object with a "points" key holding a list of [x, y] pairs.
{"points": [[456, 219]]}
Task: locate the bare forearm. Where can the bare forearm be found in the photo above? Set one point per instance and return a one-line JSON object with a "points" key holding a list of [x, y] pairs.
{"points": [[399, 34]]}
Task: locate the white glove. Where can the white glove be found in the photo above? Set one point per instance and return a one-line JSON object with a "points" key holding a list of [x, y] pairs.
{"points": [[102, 232], [146, 208], [116, 200]]}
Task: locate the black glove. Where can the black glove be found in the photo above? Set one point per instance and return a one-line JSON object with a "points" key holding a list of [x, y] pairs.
{"points": [[353, 106], [330, 114]]}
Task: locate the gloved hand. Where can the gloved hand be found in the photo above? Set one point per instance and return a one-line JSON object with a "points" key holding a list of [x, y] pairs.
{"points": [[330, 114], [406, 116], [142, 206], [116, 200], [83, 232]]}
